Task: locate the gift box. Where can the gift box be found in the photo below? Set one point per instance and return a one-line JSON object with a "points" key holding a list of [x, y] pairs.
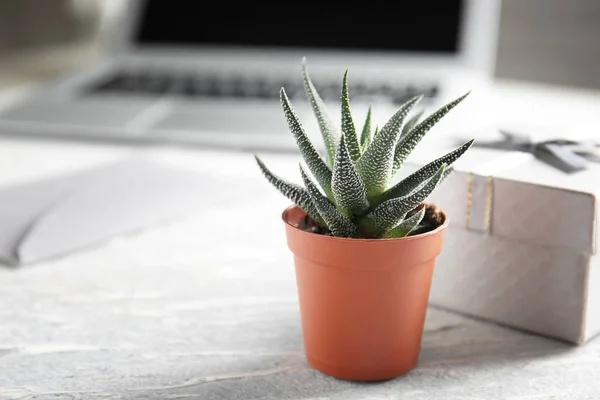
{"points": [[521, 247]]}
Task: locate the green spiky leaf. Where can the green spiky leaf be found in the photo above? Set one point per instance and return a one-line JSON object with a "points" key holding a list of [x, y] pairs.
{"points": [[296, 193], [376, 131], [406, 226], [311, 156], [375, 165], [389, 213], [418, 178], [409, 141], [447, 173], [412, 121], [337, 223], [348, 189], [348, 127], [328, 129], [365, 136]]}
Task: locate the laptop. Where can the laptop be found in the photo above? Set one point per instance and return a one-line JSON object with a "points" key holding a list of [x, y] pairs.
{"points": [[180, 73]]}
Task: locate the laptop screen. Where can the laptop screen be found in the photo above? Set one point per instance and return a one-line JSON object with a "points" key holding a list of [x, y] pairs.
{"points": [[420, 27]]}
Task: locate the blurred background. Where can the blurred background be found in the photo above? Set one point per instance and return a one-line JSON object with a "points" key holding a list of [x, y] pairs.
{"points": [[546, 41]]}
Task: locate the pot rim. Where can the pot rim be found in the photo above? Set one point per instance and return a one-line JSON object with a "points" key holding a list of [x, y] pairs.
{"points": [[324, 237]]}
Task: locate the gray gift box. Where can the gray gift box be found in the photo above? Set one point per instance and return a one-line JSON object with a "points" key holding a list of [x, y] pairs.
{"points": [[521, 244]]}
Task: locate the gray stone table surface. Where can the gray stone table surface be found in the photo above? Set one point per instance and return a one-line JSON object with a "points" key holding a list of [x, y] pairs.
{"points": [[205, 307]]}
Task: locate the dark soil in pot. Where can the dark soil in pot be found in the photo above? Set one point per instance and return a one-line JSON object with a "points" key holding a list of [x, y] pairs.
{"points": [[432, 220]]}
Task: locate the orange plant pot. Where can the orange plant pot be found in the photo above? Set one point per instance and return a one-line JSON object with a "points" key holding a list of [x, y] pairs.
{"points": [[362, 301]]}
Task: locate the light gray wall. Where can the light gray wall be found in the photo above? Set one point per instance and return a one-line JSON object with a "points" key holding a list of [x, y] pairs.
{"points": [[554, 41]]}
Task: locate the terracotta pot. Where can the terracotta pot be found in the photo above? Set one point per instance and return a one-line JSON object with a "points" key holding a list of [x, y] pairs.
{"points": [[362, 301]]}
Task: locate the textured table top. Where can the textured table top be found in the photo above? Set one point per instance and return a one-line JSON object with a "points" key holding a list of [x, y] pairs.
{"points": [[205, 307]]}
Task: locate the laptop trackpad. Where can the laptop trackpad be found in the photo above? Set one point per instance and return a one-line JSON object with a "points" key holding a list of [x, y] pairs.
{"points": [[235, 117]]}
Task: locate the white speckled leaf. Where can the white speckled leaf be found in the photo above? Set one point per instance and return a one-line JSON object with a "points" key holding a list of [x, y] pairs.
{"points": [[348, 189], [328, 129], [449, 170], [365, 136], [412, 121], [296, 193], [375, 165], [390, 213], [419, 177], [405, 227], [337, 223], [348, 127], [311, 156], [408, 142]]}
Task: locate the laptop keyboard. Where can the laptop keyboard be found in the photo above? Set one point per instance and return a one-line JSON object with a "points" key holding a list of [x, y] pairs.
{"points": [[237, 87]]}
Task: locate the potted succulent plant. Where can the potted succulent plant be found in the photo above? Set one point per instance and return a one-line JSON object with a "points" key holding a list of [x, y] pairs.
{"points": [[364, 249]]}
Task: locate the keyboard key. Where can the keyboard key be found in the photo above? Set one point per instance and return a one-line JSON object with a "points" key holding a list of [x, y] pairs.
{"points": [[203, 86], [178, 85], [266, 90]]}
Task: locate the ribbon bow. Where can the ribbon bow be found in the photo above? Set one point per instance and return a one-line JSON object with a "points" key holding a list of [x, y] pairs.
{"points": [[566, 155]]}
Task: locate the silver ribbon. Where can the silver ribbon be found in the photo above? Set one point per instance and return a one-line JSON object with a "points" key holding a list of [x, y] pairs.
{"points": [[566, 155]]}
